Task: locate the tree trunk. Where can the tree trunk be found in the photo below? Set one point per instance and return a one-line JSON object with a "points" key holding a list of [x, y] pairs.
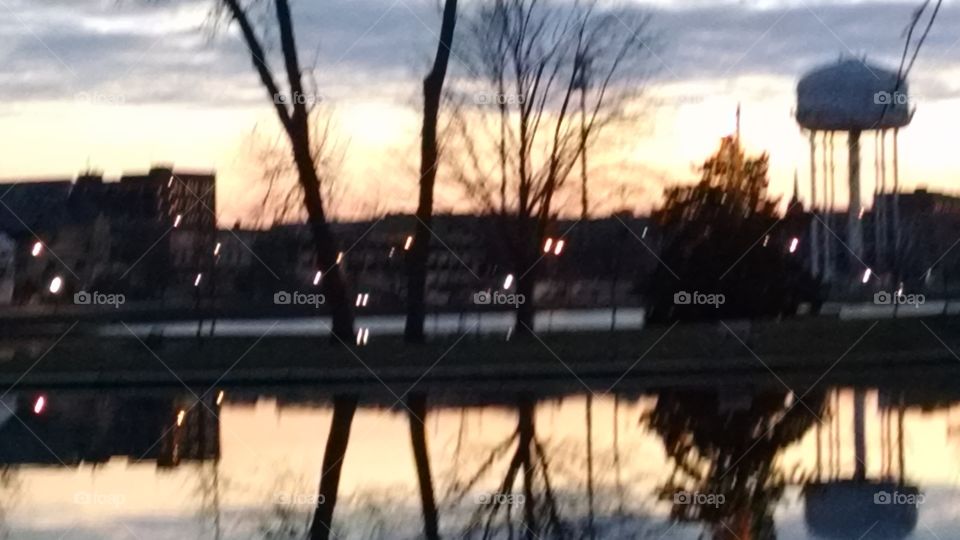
{"points": [[429, 160], [526, 311], [530, 235], [295, 121], [524, 452], [344, 408], [417, 403], [333, 285]]}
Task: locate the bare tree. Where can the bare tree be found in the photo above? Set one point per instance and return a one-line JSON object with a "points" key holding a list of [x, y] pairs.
{"points": [[282, 199], [429, 160], [533, 61], [293, 113]]}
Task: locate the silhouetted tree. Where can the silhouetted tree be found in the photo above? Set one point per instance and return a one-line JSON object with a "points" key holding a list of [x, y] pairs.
{"points": [[531, 59], [293, 112], [282, 200], [720, 238], [429, 161]]}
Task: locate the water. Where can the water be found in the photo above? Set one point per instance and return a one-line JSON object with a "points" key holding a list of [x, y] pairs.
{"points": [[436, 324], [115, 464]]}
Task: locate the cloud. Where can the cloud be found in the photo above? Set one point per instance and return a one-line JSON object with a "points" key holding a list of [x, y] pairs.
{"points": [[172, 52], [724, 41]]}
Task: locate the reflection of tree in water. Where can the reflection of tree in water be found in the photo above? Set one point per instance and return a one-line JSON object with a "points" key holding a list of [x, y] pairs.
{"points": [[729, 451], [385, 513], [8, 489], [535, 505], [209, 490], [542, 487]]}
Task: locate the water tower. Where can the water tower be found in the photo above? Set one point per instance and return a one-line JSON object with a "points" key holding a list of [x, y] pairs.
{"points": [[850, 96]]}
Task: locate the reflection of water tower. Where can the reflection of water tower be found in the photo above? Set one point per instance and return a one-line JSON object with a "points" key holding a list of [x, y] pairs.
{"points": [[849, 96], [839, 508]]}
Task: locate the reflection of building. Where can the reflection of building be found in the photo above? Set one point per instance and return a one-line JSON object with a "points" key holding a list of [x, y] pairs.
{"points": [[194, 434], [70, 429]]}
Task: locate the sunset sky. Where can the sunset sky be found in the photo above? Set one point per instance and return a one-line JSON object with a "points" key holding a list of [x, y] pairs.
{"points": [[121, 84]]}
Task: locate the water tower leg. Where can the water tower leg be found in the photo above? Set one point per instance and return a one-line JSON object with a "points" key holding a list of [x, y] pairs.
{"points": [[814, 225], [854, 225]]}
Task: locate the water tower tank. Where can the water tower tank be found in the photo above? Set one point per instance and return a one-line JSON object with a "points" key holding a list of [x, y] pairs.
{"points": [[852, 95]]}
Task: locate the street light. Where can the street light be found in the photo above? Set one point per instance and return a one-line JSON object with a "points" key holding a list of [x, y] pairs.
{"points": [[37, 248], [39, 405], [554, 245], [56, 285], [508, 281], [793, 245]]}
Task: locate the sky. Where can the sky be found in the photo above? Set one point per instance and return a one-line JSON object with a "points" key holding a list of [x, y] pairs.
{"points": [[118, 85]]}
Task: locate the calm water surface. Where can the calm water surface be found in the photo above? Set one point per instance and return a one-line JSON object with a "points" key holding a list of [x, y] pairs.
{"points": [[676, 463]]}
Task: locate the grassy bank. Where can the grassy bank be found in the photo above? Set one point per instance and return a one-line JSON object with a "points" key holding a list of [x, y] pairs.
{"points": [[808, 346]]}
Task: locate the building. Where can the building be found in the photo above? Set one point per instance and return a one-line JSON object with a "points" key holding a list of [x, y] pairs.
{"points": [[921, 249], [908, 238], [146, 235], [601, 262]]}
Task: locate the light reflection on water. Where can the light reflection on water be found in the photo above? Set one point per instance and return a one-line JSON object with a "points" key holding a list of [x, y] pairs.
{"points": [[116, 464]]}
